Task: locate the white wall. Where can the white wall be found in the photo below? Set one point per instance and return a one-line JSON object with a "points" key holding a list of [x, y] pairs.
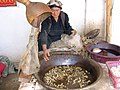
{"points": [[95, 15], [14, 28], [116, 22], [14, 31]]}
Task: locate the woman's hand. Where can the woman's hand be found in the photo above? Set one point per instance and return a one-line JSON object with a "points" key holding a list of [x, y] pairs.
{"points": [[46, 53], [73, 32]]}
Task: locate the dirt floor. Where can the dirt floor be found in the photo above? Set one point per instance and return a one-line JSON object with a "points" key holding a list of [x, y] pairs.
{"points": [[10, 82]]}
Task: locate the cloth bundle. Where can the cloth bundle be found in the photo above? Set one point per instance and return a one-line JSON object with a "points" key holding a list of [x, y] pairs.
{"points": [[6, 66], [68, 42], [2, 67]]}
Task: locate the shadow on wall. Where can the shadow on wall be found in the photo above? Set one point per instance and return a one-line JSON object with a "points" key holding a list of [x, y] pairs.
{"points": [[92, 25]]}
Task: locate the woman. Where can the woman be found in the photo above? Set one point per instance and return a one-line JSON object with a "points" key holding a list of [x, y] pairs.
{"points": [[53, 27]]}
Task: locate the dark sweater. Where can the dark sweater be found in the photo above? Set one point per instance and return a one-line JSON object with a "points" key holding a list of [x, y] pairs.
{"points": [[56, 29]]}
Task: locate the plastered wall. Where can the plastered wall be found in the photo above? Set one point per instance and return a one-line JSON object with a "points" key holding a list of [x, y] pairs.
{"points": [[115, 23], [84, 15]]}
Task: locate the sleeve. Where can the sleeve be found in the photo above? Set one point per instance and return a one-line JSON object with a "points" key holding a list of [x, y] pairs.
{"points": [[43, 34], [67, 25]]}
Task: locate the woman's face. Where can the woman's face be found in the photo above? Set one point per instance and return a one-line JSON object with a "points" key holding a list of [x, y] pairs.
{"points": [[55, 12]]}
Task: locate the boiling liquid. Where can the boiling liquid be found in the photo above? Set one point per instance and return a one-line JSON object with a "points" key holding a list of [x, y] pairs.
{"points": [[109, 52], [68, 77]]}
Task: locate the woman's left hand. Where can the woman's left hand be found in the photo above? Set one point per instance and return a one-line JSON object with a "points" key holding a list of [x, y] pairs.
{"points": [[73, 32]]}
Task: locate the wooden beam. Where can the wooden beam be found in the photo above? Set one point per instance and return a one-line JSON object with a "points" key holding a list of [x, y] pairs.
{"points": [[108, 19]]}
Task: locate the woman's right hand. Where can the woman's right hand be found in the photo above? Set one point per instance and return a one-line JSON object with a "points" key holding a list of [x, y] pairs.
{"points": [[46, 54]]}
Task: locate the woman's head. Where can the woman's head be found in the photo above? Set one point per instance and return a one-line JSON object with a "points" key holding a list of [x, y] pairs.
{"points": [[55, 3], [56, 7], [55, 11]]}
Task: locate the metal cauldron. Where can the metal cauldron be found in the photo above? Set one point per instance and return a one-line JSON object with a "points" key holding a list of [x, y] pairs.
{"points": [[69, 59]]}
